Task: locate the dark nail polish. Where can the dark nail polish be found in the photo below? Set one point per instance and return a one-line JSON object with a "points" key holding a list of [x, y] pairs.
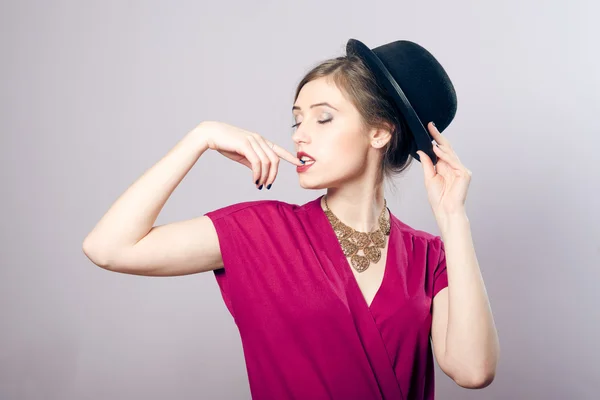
{"points": [[303, 162], [260, 187], [256, 183], [269, 186]]}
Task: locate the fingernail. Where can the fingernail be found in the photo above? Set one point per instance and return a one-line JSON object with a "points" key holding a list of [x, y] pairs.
{"points": [[269, 186], [302, 161], [432, 123], [260, 187], [256, 183]]}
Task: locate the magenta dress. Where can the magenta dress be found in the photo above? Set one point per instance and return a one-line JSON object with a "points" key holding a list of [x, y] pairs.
{"points": [[306, 329]]}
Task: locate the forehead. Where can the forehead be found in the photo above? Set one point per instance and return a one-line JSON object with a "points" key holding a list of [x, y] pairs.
{"points": [[318, 91]]}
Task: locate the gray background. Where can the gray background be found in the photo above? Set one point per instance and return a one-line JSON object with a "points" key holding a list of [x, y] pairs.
{"points": [[94, 93]]}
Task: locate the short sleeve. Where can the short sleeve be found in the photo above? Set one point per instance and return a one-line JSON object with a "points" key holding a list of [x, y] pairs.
{"points": [[245, 232], [440, 276]]}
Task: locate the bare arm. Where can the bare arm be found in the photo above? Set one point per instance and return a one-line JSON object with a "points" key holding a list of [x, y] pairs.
{"points": [[463, 331], [125, 240]]}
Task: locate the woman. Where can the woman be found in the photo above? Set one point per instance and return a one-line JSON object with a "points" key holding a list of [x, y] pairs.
{"points": [[336, 298]]}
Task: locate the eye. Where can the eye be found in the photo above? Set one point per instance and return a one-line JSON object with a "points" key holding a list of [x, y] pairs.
{"points": [[320, 122]]}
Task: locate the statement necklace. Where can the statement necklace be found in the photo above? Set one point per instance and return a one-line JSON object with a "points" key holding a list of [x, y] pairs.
{"points": [[352, 240]]}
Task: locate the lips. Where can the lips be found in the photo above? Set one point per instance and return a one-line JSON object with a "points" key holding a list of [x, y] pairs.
{"points": [[303, 168], [309, 160]]}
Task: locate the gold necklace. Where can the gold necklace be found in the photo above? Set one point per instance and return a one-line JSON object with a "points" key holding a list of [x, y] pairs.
{"points": [[352, 240]]}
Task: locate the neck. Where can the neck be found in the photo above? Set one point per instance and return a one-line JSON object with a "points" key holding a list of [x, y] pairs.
{"points": [[356, 207]]}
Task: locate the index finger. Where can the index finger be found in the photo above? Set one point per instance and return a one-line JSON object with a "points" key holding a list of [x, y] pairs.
{"points": [[284, 154], [437, 136]]}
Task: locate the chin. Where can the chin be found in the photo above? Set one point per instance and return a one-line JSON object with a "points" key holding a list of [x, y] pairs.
{"points": [[311, 186], [318, 182], [324, 176], [312, 183]]}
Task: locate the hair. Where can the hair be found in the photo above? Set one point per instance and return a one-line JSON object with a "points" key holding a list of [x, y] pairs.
{"points": [[375, 107]]}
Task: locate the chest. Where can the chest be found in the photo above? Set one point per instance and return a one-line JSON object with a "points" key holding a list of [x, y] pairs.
{"points": [[370, 280]]}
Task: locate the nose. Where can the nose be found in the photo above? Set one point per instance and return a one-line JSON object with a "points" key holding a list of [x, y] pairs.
{"points": [[301, 135]]}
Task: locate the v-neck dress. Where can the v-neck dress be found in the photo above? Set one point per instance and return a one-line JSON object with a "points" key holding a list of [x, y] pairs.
{"points": [[307, 331]]}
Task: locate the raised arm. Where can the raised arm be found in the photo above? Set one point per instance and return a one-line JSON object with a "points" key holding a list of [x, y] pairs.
{"points": [[126, 240]]}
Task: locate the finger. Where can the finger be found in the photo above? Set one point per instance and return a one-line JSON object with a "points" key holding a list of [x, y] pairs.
{"points": [[264, 160], [244, 161], [452, 161], [428, 169], [437, 136], [274, 160], [284, 154], [449, 151], [254, 161]]}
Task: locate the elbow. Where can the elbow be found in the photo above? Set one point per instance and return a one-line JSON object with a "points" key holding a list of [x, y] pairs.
{"points": [[477, 380], [96, 255], [473, 376]]}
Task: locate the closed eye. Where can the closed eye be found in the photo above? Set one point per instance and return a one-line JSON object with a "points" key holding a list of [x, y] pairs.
{"points": [[321, 122]]}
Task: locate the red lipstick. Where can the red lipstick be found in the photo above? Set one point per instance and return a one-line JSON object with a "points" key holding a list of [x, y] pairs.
{"points": [[302, 168]]}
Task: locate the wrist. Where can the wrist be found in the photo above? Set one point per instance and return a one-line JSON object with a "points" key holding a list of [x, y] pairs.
{"points": [[447, 221], [200, 136]]}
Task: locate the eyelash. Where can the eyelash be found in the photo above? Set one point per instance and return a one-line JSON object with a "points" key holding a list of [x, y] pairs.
{"points": [[321, 122]]}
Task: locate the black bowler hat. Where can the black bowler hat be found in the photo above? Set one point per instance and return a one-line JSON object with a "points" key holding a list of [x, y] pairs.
{"points": [[419, 86]]}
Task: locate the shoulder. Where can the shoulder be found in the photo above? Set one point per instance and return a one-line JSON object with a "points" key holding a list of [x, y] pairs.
{"points": [[411, 233], [254, 225], [422, 247], [256, 207]]}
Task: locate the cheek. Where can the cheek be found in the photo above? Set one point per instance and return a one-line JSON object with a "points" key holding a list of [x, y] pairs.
{"points": [[346, 154], [352, 145]]}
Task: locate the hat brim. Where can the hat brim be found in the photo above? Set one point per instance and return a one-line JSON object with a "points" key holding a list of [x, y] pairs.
{"points": [[422, 138]]}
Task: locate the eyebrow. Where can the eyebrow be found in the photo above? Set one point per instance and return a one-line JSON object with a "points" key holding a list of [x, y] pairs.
{"points": [[316, 105]]}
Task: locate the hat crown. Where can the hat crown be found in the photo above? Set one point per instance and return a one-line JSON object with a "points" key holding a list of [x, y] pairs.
{"points": [[417, 81], [419, 75]]}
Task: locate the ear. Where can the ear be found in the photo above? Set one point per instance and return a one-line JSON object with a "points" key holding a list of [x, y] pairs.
{"points": [[381, 136]]}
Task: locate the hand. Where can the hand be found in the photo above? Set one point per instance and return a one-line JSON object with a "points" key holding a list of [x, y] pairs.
{"points": [[448, 181], [247, 148]]}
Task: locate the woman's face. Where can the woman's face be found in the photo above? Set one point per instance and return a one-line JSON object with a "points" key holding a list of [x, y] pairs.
{"points": [[332, 134]]}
